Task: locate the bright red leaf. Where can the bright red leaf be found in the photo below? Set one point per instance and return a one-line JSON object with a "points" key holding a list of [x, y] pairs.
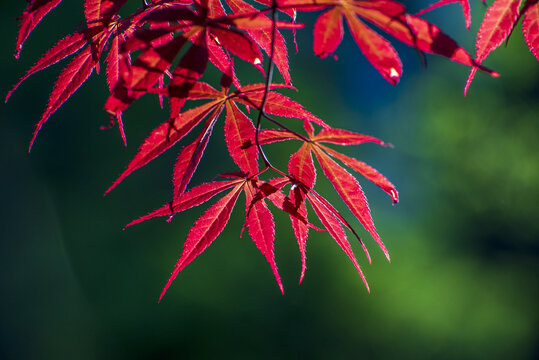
{"points": [[71, 78], [32, 15], [163, 49], [465, 9], [530, 28], [496, 26], [261, 228], [204, 231], [64, 48], [336, 231]]}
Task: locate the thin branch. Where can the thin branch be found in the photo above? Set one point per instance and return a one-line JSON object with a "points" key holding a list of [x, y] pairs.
{"points": [[268, 83]]}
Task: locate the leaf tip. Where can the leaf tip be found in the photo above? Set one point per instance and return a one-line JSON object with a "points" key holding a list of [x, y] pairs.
{"points": [[8, 96], [302, 275], [394, 196], [469, 79], [121, 127], [163, 292], [32, 141], [364, 280], [394, 76], [109, 189], [17, 54], [161, 296]]}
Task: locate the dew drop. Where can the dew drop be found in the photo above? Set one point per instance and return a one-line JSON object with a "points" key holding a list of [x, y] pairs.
{"points": [[393, 73], [257, 61]]}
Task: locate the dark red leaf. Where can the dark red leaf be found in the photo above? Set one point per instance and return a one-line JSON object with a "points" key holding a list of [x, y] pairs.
{"points": [[144, 39], [187, 73], [172, 13], [101, 9], [221, 60], [306, 5], [143, 74], [253, 20]]}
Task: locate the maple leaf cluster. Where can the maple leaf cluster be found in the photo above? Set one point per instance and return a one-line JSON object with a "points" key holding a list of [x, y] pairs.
{"points": [[139, 51]]}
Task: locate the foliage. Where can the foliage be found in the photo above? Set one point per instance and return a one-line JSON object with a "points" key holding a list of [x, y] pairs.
{"points": [[164, 49]]}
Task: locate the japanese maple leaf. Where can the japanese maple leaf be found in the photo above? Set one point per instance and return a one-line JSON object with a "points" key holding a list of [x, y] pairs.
{"points": [[101, 10], [263, 38], [390, 17], [294, 204], [530, 26], [328, 33], [207, 228], [497, 24], [89, 44], [326, 214], [211, 33], [239, 130], [465, 9], [35, 11], [302, 169], [92, 42]]}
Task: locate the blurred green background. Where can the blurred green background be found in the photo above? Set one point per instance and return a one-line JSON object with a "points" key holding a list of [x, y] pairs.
{"points": [[464, 239]]}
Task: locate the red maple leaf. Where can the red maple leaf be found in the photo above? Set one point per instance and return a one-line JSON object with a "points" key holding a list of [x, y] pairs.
{"points": [[164, 49]]}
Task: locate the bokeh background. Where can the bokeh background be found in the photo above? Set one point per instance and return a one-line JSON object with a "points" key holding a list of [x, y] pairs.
{"points": [[464, 239]]}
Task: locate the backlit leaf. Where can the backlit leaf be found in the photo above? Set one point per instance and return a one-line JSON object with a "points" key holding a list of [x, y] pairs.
{"points": [[204, 232], [496, 26], [32, 15]]}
